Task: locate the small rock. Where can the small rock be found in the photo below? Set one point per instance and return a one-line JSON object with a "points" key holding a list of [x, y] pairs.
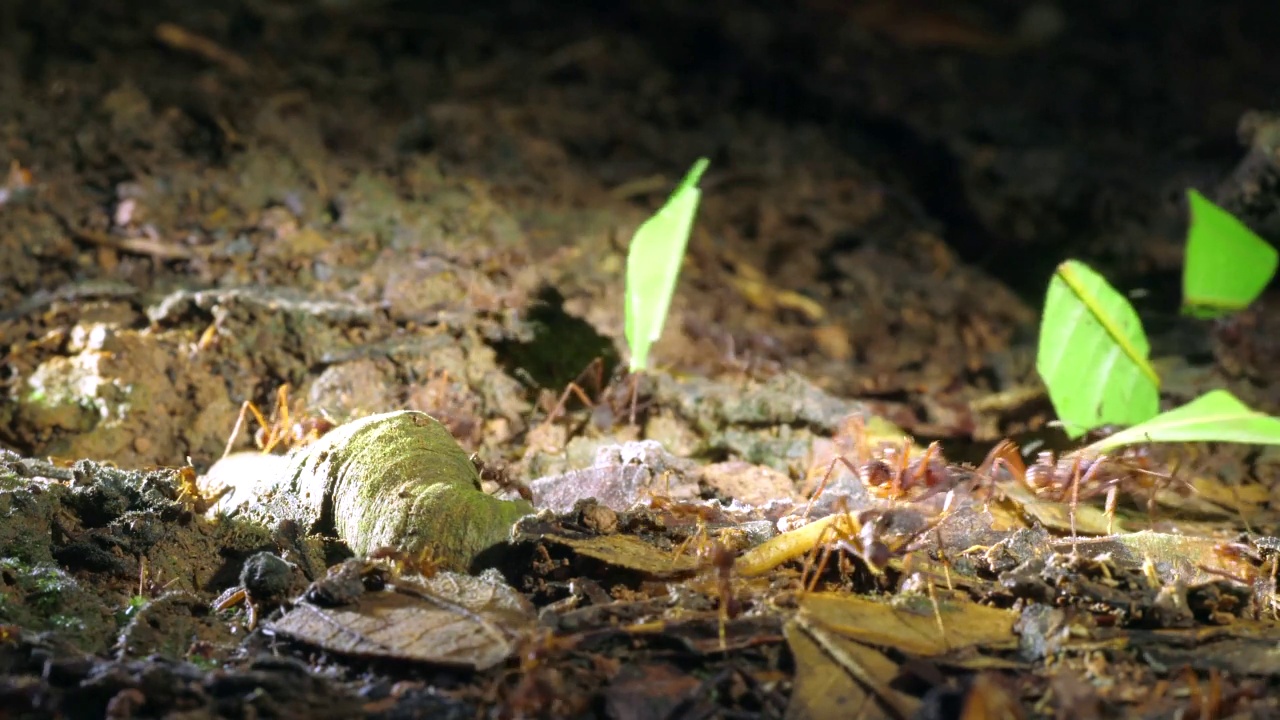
{"points": [[747, 483], [622, 476], [600, 519]]}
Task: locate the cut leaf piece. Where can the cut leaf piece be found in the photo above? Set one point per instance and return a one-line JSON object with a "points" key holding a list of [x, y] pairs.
{"points": [[1216, 416], [1093, 353], [1227, 264], [653, 264]]}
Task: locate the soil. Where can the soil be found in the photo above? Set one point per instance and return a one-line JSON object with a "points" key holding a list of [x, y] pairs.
{"points": [[342, 208]]}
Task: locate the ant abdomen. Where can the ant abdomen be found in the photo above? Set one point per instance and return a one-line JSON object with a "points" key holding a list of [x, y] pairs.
{"points": [[1043, 473]]}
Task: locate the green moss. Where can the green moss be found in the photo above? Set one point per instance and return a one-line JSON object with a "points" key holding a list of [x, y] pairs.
{"points": [[401, 480], [45, 598]]}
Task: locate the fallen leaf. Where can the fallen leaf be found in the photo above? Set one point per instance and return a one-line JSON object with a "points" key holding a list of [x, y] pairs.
{"points": [[448, 619], [631, 553], [912, 629], [839, 678]]}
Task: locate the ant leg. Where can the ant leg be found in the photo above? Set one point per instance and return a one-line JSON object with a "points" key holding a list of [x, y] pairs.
{"points": [[1002, 456], [857, 428], [904, 463], [937, 610], [1112, 493], [257, 415], [823, 549], [822, 485], [596, 368], [1075, 495], [1275, 601], [817, 571], [922, 463], [235, 429], [679, 551], [594, 371], [1152, 507], [1076, 481], [246, 406], [991, 487], [280, 426], [819, 550], [571, 389]]}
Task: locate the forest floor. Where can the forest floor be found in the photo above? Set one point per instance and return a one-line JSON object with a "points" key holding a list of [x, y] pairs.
{"points": [[339, 209]]}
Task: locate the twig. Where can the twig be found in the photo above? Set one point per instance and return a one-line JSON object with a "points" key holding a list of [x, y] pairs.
{"points": [[183, 40]]}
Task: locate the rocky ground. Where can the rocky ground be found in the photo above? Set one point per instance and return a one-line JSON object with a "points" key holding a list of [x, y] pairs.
{"points": [[339, 209]]}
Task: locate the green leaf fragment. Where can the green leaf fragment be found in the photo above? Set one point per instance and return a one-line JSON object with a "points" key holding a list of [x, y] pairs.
{"points": [[653, 265], [1216, 416], [1227, 264], [1093, 353]]}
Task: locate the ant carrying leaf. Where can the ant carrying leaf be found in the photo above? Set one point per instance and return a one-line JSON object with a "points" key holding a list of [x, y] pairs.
{"points": [[1076, 476], [610, 398]]}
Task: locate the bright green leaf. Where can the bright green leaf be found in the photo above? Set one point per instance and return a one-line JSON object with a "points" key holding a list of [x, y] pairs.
{"points": [[1093, 353], [1227, 264], [653, 264], [1216, 416]]}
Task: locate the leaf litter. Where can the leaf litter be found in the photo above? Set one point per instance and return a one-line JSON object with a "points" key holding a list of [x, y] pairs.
{"points": [[739, 570]]}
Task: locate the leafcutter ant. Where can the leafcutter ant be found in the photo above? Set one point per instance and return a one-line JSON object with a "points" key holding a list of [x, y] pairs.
{"points": [[612, 398], [891, 471], [500, 476], [720, 555], [539, 686], [285, 429], [424, 563], [192, 495], [868, 535], [1260, 557], [1076, 476]]}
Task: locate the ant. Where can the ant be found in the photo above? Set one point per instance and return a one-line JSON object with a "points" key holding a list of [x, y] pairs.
{"points": [[191, 495], [889, 471], [610, 400], [867, 535], [1259, 557], [281, 431], [423, 564], [870, 536], [537, 687], [721, 555], [500, 475], [1076, 476]]}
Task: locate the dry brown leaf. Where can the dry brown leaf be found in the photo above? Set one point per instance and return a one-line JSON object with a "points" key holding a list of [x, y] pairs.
{"points": [[989, 698], [837, 677], [449, 619], [630, 552], [911, 629]]}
